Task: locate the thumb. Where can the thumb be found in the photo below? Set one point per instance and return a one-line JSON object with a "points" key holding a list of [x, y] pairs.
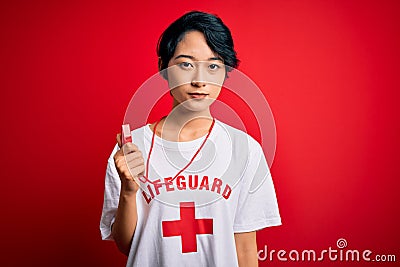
{"points": [[119, 139]]}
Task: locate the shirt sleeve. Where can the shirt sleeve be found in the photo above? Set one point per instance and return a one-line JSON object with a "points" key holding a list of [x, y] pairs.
{"points": [[111, 197], [257, 205]]}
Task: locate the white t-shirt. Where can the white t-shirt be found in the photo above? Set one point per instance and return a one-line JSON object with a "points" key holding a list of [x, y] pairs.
{"points": [[191, 220]]}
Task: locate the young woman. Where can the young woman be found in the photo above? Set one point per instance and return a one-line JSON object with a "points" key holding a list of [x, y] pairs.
{"points": [[190, 190]]}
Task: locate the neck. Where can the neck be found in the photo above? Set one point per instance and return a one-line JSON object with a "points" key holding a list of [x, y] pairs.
{"points": [[183, 118], [183, 124]]}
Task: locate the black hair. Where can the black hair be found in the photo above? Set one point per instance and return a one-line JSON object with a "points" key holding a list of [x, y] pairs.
{"points": [[217, 35]]}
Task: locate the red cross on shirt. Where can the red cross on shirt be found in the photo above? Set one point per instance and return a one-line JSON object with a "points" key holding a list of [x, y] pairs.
{"points": [[187, 227]]}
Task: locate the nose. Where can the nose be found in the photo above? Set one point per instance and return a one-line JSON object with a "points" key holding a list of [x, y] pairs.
{"points": [[198, 83], [199, 76]]}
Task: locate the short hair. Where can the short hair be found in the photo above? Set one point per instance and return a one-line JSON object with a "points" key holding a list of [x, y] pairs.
{"points": [[217, 35]]}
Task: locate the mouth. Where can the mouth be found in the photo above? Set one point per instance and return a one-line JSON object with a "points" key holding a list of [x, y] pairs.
{"points": [[198, 95]]}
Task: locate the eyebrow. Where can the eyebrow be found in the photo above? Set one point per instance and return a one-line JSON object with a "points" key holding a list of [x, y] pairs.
{"points": [[193, 58]]}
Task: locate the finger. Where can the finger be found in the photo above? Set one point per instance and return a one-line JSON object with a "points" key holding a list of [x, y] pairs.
{"points": [[118, 154], [139, 170], [135, 162], [119, 139], [133, 156], [120, 163], [129, 148], [132, 146], [132, 160]]}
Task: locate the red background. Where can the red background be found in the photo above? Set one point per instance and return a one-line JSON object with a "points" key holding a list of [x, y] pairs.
{"points": [[329, 70]]}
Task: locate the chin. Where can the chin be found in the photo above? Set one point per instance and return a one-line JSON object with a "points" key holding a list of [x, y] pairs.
{"points": [[195, 105]]}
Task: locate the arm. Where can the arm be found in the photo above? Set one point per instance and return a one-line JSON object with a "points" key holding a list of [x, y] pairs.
{"points": [[125, 221], [246, 249], [126, 217]]}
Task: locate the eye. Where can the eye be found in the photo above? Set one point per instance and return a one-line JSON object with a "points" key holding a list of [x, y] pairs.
{"points": [[214, 67], [186, 65]]}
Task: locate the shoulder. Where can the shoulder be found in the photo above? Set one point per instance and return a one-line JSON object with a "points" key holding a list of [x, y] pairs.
{"points": [[238, 137], [140, 131]]}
